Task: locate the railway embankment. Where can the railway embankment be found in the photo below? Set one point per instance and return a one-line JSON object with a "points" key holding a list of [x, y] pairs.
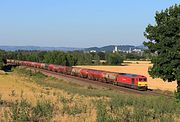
{"points": [[31, 96]]}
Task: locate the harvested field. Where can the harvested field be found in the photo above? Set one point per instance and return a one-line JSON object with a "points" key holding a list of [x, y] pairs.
{"points": [[138, 67]]}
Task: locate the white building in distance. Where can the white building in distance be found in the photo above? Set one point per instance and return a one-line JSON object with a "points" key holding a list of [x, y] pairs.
{"points": [[115, 49]]}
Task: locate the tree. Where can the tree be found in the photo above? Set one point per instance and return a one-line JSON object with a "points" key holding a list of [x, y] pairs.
{"points": [[1, 60], [101, 55], [114, 59], [164, 42], [96, 59]]}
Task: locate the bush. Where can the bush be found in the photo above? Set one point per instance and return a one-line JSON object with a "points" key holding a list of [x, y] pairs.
{"points": [[71, 110], [102, 112], [177, 95], [114, 59], [20, 111], [42, 111]]}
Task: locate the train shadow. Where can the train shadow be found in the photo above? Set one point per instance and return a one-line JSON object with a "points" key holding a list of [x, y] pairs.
{"points": [[8, 68], [149, 89]]}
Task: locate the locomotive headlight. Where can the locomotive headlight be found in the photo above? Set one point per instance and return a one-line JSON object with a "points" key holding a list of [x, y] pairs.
{"points": [[142, 83]]}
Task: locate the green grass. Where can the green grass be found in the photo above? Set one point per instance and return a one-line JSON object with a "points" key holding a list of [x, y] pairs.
{"points": [[120, 107]]}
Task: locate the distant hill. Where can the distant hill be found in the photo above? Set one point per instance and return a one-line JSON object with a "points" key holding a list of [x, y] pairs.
{"points": [[111, 47], [14, 48], [108, 48]]}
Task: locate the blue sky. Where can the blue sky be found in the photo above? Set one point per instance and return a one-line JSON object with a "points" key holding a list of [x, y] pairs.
{"points": [[77, 23]]}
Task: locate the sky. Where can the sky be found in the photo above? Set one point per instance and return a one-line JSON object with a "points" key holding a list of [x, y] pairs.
{"points": [[77, 23]]}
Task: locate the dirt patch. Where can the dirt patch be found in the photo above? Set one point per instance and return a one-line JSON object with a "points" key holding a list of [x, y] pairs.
{"points": [[2, 72]]}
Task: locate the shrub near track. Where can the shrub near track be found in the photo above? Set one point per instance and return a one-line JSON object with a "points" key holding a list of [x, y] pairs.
{"points": [[23, 111], [119, 106]]}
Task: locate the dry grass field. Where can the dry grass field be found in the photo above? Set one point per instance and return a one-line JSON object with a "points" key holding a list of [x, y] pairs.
{"points": [[14, 87], [138, 67], [27, 95]]}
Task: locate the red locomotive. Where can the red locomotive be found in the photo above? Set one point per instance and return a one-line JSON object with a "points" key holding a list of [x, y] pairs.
{"points": [[122, 79]]}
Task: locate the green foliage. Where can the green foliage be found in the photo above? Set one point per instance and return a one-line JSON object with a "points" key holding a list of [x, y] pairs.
{"points": [[101, 55], [114, 58], [20, 111], [1, 59], [177, 95], [102, 112], [137, 109], [134, 56], [164, 42], [71, 110], [96, 58], [31, 73], [54, 57], [42, 111], [65, 58]]}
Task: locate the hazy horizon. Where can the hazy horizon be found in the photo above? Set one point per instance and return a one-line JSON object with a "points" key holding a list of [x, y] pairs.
{"points": [[66, 46], [79, 23], [74, 46]]}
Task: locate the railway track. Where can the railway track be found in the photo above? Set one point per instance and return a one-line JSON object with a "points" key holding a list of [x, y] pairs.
{"points": [[106, 85]]}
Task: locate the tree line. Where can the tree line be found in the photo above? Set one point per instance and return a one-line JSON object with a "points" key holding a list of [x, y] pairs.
{"points": [[72, 58], [65, 58]]}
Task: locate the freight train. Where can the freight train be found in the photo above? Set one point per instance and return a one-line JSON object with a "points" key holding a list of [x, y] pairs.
{"points": [[134, 81]]}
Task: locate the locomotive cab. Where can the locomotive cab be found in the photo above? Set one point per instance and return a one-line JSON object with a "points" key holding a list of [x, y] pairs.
{"points": [[142, 83]]}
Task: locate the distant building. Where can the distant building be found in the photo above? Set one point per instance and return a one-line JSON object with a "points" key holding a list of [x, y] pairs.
{"points": [[137, 50], [103, 61], [130, 50], [103, 51], [115, 49], [92, 51]]}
